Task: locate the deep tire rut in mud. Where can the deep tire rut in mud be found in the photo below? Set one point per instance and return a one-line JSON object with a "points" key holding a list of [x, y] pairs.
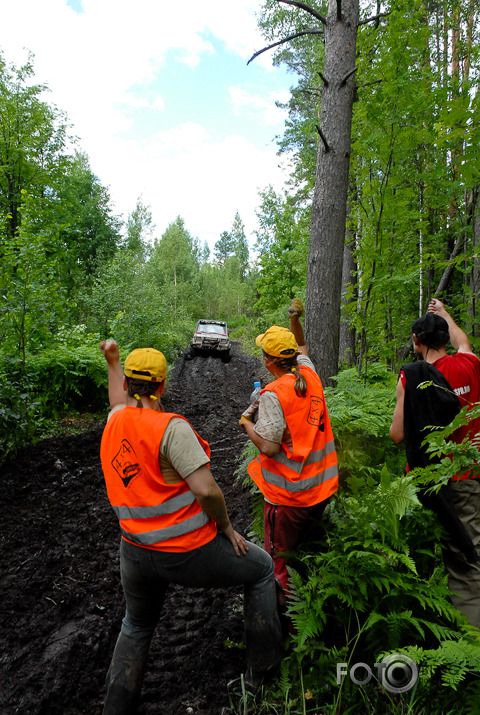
{"points": [[61, 599]]}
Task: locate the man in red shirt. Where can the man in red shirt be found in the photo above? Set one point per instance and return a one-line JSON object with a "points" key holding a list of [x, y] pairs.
{"points": [[462, 370]]}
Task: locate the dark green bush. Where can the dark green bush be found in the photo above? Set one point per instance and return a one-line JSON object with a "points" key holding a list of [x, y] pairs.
{"points": [[64, 379]]}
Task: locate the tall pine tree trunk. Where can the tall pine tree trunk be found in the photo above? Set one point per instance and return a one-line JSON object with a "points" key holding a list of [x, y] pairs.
{"points": [[325, 260]]}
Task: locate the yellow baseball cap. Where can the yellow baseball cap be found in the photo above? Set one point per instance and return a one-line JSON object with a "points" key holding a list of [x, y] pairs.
{"points": [[278, 342], [146, 364]]}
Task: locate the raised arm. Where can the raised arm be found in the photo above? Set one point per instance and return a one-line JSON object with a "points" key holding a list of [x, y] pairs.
{"points": [[295, 311], [458, 337], [116, 390]]}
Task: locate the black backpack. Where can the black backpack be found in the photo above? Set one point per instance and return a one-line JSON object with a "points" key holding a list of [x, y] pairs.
{"points": [[435, 405]]}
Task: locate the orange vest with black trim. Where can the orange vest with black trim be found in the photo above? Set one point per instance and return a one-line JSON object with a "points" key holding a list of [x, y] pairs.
{"points": [[151, 513], [308, 473]]}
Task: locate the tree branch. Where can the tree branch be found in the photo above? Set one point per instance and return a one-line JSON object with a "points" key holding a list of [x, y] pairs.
{"points": [[307, 8], [369, 84], [347, 76], [447, 273], [373, 18], [324, 79], [309, 90], [322, 137], [281, 42]]}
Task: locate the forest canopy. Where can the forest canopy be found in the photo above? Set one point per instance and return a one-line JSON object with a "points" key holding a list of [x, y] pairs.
{"points": [[74, 272]]}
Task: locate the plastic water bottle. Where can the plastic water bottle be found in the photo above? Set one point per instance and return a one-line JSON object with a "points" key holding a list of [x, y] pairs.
{"points": [[255, 396]]}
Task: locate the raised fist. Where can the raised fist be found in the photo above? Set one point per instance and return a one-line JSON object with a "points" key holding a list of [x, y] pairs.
{"points": [[110, 349], [296, 307], [436, 306]]}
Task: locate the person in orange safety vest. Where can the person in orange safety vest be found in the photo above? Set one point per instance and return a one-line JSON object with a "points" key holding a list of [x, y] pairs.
{"points": [[296, 470], [174, 526]]}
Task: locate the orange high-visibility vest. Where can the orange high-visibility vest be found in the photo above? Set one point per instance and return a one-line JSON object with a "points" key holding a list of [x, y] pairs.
{"points": [[151, 513], [308, 473]]}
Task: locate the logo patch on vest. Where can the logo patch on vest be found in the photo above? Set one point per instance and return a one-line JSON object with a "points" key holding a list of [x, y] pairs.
{"points": [[125, 463], [316, 413]]}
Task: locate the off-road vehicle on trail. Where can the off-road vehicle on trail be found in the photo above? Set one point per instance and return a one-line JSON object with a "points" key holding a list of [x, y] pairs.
{"points": [[210, 336]]}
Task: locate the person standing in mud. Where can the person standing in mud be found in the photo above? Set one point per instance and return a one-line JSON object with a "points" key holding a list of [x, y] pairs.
{"points": [[174, 525], [296, 470]]}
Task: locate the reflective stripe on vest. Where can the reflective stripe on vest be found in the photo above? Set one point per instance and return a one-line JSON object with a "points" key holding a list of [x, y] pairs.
{"points": [[147, 538], [303, 485], [297, 467], [150, 512]]}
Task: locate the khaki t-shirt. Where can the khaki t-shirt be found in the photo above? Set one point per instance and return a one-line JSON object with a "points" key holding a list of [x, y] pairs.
{"points": [[180, 451]]}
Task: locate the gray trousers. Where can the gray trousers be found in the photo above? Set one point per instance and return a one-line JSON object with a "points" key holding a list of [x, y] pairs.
{"points": [[464, 578], [146, 575]]}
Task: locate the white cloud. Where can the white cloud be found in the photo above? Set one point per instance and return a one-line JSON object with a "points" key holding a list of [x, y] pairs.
{"points": [[179, 139], [158, 103], [138, 101], [187, 173], [100, 64], [263, 107]]}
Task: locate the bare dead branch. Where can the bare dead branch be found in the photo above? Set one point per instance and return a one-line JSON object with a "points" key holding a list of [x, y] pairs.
{"points": [[373, 18], [347, 76], [307, 8], [281, 42], [322, 137], [324, 79], [369, 84], [447, 273], [309, 90]]}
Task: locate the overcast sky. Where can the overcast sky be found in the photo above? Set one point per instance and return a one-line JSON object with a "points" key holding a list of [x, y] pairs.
{"points": [[161, 99]]}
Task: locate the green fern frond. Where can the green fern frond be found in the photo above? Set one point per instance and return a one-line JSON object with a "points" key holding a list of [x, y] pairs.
{"points": [[307, 625], [382, 584], [454, 659], [285, 678], [373, 619], [405, 560]]}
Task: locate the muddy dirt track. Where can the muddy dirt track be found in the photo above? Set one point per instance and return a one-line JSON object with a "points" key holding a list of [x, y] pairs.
{"points": [[61, 599]]}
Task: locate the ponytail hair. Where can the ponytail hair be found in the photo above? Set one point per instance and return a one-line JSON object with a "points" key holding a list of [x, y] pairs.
{"points": [[144, 388], [289, 364]]}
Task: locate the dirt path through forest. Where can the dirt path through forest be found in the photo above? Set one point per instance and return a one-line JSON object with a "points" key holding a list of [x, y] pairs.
{"points": [[62, 603]]}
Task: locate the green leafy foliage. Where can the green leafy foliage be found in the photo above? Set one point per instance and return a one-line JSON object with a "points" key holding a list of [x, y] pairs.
{"points": [[360, 410], [454, 457], [282, 243], [17, 410], [369, 591], [43, 387], [33, 297]]}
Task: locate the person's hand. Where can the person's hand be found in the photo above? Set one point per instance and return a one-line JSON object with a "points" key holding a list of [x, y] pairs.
{"points": [[295, 307], [287, 439], [436, 306], [110, 350], [248, 415], [238, 542]]}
